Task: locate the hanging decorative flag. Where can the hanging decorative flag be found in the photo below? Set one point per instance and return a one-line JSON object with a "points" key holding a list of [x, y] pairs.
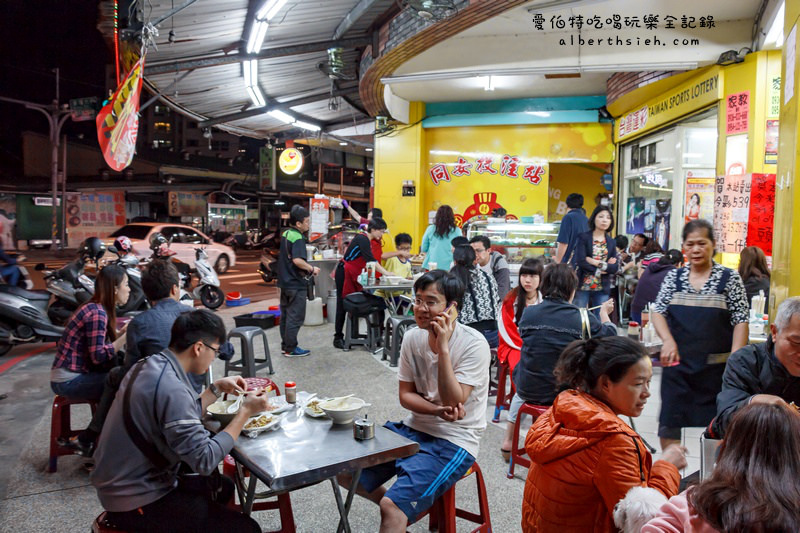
{"points": [[118, 121]]}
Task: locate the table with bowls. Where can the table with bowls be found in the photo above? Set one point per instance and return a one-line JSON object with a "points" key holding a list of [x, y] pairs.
{"points": [[304, 449]]}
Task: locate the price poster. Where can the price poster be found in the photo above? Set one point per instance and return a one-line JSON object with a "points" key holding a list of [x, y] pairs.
{"points": [[771, 143], [762, 212], [731, 211], [737, 112], [319, 208], [699, 196]]}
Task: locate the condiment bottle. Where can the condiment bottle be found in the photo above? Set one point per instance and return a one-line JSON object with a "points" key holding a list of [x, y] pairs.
{"points": [[290, 390], [633, 330]]}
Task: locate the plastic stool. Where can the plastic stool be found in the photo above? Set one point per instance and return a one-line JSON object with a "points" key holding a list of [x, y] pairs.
{"points": [[393, 332], [60, 427], [519, 456], [444, 512], [283, 502], [248, 365], [352, 337], [503, 400]]}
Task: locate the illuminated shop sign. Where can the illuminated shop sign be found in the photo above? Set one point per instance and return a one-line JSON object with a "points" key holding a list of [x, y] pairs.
{"points": [[291, 161], [510, 166]]}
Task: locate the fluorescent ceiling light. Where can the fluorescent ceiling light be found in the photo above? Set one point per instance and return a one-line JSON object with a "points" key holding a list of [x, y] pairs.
{"points": [[488, 84], [250, 72], [342, 143], [255, 95], [270, 9], [280, 115], [775, 33], [306, 125], [641, 67], [543, 114], [257, 33], [367, 149]]}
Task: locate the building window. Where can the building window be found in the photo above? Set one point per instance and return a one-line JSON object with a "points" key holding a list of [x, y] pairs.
{"points": [[161, 143], [192, 143], [163, 126], [161, 110]]}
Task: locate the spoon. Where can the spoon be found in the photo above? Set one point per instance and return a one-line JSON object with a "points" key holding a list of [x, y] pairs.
{"points": [[234, 407]]}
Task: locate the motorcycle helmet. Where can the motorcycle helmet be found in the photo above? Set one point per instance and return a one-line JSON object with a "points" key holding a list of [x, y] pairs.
{"points": [[123, 244], [92, 249], [157, 240]]}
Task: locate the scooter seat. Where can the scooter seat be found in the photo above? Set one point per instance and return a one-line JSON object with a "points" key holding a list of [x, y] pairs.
{"points": [[22, 293]]}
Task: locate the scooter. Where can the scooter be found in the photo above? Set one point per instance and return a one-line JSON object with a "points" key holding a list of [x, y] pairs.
{"points": [[23, 318], [70, 287], [24, 281], [137, 300], [268, 267], [207, 288]]}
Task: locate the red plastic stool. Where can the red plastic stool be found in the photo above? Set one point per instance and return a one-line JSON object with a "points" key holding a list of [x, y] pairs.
{"points": [[100, 526], [60, 427], [443, 513], [503, 400], [283, 503], [518, 455]]}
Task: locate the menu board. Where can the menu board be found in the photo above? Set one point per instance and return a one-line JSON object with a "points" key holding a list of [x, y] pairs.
{"points": [[731, 211], [228, 218], [737, 112], [762, 212], [319, 208], [94, 214]]}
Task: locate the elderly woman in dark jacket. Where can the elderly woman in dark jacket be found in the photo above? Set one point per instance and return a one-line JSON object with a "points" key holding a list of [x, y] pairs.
{"points": [[596, 256], [547, 328]]}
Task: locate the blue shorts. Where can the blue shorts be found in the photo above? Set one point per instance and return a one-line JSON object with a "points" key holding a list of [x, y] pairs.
{"points": [[422, 477]]}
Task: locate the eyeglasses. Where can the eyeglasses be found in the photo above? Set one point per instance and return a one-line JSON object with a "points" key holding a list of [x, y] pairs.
{"points": [[217, 351], [427, 305]]}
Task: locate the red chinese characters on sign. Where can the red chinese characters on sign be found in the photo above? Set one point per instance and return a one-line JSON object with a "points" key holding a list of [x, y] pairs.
{"points": [[737, 112], [439, 173], [511, 166], [762, 212], [633, 122]]}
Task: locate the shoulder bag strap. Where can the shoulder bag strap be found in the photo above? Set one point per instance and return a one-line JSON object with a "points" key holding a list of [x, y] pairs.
{"points": [[586, 328], [147, 448]]}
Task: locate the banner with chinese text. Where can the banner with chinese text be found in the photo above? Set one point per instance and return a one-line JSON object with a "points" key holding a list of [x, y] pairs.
{"points": [[731, 212], [118, 121], [319, 209], [762, 212], [96, 214]]}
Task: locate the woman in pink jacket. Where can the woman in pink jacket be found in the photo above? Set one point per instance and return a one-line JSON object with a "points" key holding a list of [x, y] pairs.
{"points": [[755, 485]]}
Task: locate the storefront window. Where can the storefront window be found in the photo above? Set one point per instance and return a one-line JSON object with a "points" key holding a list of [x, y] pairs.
{"points": [[667, 178]]}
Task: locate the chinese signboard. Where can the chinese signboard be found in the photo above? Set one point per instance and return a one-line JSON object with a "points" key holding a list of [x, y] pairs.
{"points": [[319, 209], [291, 161], [632, 122], [737, 112], [762, 212], [186, 204], [488, 165], [118, 121], [731, 211], [94, 214], [227, 217], [775, 97]]}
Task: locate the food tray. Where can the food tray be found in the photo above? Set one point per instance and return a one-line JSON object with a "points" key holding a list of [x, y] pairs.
{"points": [[259, 319], [255, 432]]}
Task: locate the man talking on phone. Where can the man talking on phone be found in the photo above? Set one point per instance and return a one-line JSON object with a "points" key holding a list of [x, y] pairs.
{"points": [[444, 382]]}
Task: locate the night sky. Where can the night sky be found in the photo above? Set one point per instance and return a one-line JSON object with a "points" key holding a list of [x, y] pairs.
{"points": [[37, 36]]}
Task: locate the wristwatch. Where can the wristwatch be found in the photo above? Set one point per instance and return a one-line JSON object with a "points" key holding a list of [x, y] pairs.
{"points": [[214, 390]]}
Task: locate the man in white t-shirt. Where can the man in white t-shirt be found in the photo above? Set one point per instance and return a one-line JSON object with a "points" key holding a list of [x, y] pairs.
{"points": [[444, 382]]}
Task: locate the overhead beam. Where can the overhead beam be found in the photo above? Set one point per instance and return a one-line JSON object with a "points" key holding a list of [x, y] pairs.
{"points": [[161, 67], [352, 17], [277, 105]]}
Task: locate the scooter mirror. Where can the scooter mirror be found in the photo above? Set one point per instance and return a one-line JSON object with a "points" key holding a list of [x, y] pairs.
{"points": [[112, 249], [39, 266]]}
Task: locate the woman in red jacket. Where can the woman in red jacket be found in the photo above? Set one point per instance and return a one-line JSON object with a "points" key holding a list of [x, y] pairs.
{"points": [[524, 294], [584, 458]]}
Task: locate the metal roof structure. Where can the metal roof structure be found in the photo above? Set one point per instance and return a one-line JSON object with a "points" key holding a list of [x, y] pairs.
{"points": [[199, 59]]}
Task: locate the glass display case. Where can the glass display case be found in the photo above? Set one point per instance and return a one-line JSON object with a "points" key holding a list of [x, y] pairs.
{"points": [[517, 240]]}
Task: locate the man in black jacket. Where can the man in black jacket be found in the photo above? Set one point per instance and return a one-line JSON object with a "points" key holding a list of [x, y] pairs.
{"points": [[762, 373]]}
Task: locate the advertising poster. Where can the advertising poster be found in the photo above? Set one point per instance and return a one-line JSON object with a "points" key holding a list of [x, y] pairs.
{"points": [[762, 212], [319, 209], [186, 204], [118, 121], [737, 112], [226, 217], [96, 214], [649, 217], [731, 212], [661, 231], [699, 196], [771, 143], [635, 216]]}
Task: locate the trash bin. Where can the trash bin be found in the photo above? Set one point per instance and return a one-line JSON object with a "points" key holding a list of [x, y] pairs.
{"points": [[332, 306]]}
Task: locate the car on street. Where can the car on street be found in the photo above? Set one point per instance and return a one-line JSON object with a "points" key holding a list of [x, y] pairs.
{"points": [[183, 241]]}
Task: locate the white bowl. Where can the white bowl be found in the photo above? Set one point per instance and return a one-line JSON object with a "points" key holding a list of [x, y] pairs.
{"points": [[342, 411]]}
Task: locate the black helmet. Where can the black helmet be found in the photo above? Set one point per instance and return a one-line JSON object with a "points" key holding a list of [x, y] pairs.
{"points": [[157, 239], [92, 248]]}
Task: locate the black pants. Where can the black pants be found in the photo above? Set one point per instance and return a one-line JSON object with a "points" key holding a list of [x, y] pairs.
{"points": [[339, 324], [182, 511], [113, 380], [293, 314]]}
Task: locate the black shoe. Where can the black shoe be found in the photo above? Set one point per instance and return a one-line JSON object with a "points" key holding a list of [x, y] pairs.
{"points": [[78, 447], [338, 343]]}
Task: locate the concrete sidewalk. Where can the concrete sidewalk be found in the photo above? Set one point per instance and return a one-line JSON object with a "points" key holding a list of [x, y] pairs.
{"points": [[34, 500]]}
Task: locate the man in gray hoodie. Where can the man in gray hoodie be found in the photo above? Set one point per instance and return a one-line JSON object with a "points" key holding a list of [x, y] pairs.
{"points": [[154, 425]]}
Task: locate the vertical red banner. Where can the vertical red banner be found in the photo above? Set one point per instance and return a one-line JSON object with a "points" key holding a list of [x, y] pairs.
{"points": [[762, 212]]}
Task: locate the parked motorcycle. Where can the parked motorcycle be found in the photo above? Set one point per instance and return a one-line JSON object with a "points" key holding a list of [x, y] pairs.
{"points": [[70, 287], [23, 318], [137, 300], [268, 266], [208, 289]]}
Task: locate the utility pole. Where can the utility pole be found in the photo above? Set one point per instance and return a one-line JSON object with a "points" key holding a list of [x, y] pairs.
{"points": [[56, 116]]}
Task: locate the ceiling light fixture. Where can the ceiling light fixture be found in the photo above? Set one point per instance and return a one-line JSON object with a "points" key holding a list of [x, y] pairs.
{"points": [[258, 31], [306, 125], [488, 84], [367, 149], [775, 32], [269, 9], [280, 115], [256, 96], [342, 143]]}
